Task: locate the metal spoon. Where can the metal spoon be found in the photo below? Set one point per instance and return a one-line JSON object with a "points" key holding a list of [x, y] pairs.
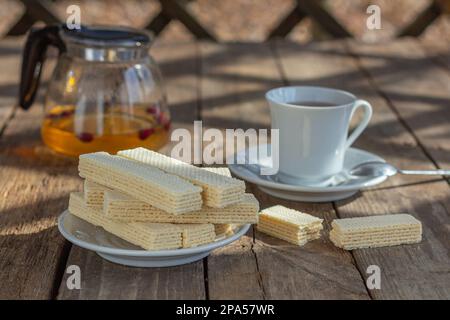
{"points": [[376, 169]]}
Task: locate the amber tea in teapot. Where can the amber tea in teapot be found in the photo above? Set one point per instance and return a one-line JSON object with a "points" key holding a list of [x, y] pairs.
{"points": [[146, 128], [105, 93]]}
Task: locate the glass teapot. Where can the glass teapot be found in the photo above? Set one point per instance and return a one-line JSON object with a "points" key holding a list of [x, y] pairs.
{"points": [[105, 93]]}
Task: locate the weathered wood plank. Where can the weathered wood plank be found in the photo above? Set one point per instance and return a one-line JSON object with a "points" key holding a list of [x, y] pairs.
{"points": [[10, 61], [233, 82], [404, 268], [104, 280], [317, 270], [418, 91], [233, 271], [417, 88], [412, 271], [35, 185], [438, 51]]}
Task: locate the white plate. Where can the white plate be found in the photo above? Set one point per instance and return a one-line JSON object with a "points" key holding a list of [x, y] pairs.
{"points": [[114, 249], [341, 188]]}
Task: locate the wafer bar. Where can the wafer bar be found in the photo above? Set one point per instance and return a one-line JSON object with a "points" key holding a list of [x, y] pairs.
{"points": [[146, 235], [297, 239], [223, 171], [146, 183], [93, 194], [374, 243], [289, 225], [375, 231], [218, 191], [119, 206], [197, 234]]}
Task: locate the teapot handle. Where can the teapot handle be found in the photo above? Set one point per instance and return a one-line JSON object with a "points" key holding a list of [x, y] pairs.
{"points": [[33, 59]]}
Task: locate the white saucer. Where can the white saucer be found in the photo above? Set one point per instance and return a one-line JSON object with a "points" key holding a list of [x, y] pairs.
{"points": [[342, 187], [114, 249]]}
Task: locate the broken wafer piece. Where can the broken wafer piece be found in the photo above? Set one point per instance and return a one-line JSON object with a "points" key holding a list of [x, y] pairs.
{"points": [[162, 190], [145, 235], [290, 225], [218, 191], [119, 206], [375, 231]]}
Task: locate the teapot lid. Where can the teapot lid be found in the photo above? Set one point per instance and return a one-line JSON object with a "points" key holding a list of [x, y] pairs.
{"points": [[106, 37]]}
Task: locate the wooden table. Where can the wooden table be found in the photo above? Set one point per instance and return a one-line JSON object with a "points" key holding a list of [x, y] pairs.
{"points": [[408, 84]]}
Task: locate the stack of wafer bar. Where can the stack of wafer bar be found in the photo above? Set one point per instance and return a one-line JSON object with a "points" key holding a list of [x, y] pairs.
{"points": [[218, 191], [375, 231], [156, 209], [290, 225]]}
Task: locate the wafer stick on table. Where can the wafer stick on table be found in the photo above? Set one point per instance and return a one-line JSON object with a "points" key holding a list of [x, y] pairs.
{"points": [[118, 206], [146, 183], [375, 231], [290, 225], [150, 236], [218, 191]]}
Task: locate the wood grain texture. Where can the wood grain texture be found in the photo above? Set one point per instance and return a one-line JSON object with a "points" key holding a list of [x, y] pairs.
{"points": [[438, 51], [104, 280], [101, 279], [234, 80], [10, 61], [233, 271], [34, 184], [224, 85], [317, 270], [414, 271], [417, 89]]}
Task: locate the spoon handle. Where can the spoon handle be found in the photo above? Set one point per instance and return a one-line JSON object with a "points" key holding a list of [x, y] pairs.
{"points": [[427, 172]]}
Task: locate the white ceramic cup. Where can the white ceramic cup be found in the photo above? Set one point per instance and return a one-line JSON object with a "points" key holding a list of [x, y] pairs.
{"points": [[313, 139]]}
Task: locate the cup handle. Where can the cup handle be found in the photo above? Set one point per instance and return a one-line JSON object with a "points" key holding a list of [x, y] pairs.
{"points": [[364, 122]]}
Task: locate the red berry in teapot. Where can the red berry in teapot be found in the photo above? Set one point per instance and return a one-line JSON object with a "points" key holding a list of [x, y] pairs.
{"points": [[85, 137], [145, 133]]}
